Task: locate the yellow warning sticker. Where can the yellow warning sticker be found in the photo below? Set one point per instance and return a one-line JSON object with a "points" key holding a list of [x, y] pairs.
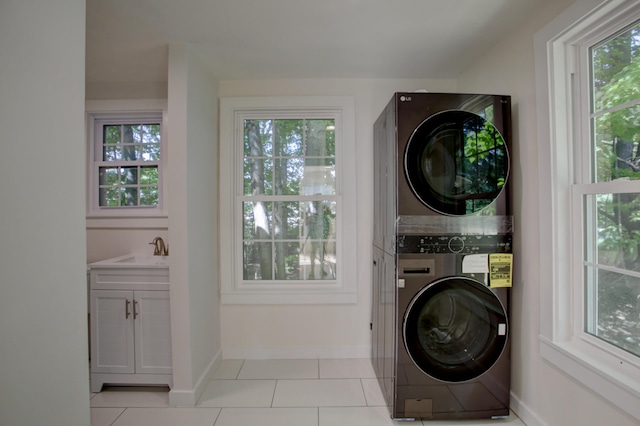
{"points": [[500, 267]]}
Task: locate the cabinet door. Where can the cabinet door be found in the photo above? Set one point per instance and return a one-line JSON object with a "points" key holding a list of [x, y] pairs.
{"points": [[388, 284], [112, 348], [377, 316], [153, 332]]}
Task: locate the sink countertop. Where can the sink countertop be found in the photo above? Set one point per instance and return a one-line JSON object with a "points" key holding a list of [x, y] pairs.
{"points": [[132, 261]]}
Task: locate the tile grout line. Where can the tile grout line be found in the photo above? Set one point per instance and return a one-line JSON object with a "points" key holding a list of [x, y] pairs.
{"points": [[364, 393], [273, 397], [118, 416], [217, 417], [240, 370]]}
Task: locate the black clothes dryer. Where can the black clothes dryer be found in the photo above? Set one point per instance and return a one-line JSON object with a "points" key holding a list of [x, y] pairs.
{"points": [[448, 154]]}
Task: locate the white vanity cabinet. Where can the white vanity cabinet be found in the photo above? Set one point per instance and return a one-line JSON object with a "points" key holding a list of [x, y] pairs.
{"points": [[130, 327]]}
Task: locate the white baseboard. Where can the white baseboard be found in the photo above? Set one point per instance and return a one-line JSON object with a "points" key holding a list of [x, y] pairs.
{"points": [[296, 352], [190, 397], [527, 416]]}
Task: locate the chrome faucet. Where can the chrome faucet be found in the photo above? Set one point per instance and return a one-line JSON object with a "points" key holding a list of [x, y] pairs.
{"points": [[160, 249]]}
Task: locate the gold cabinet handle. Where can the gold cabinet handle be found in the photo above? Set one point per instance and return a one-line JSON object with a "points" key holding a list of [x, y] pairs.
{"points": [[126, 309]]}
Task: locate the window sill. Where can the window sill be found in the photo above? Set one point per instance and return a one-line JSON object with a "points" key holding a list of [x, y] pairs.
{"points": [[127, 222], [288, 298], [614, 382]]}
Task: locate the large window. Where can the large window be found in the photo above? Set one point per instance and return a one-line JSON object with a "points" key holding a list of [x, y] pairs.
{"points": [[589, 121], [611, 213], [290, 209], [289, 198]]}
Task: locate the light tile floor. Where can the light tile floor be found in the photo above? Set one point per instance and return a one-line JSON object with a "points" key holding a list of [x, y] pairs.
{"points": [[331, 392]]}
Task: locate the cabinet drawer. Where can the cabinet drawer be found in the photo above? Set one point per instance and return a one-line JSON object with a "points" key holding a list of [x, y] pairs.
{"points": [[130, 279]]}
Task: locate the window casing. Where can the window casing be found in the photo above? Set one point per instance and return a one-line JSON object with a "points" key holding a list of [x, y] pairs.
{"points": [[289, 207], [578, 205], [126, 162]]}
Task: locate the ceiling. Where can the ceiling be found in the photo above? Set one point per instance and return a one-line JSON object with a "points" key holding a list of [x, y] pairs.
{"points": [[270, 39]]}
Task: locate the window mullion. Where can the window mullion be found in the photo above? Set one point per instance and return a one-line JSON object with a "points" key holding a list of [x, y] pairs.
{"points": [[582, 128]]}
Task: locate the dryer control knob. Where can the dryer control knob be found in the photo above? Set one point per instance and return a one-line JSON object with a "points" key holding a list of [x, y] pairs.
{"points": [[456, 244]]}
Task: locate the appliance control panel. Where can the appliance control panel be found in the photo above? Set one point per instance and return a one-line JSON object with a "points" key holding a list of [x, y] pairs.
{"points": [[454, 244]]}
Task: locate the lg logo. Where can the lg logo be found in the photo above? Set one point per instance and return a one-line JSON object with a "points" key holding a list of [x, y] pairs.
{"points": [[405, 98]]}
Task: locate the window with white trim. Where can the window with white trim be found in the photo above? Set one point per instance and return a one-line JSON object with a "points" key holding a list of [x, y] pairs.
{"points": [[126, 161], [611, 211], [589, 105], [289, 206]]}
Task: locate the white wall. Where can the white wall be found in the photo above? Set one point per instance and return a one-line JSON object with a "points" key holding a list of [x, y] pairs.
{"points": [[126, 90], [192, 227], [105, 243], [193, 224], [542, 395], [43, 320], [310, 331]]}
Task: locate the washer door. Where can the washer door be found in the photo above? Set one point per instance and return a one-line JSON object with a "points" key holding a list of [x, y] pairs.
{"points": [[456, 162], [455, 329]]}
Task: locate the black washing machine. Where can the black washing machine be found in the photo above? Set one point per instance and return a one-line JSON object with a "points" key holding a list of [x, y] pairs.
{"points": [[447, 326]]}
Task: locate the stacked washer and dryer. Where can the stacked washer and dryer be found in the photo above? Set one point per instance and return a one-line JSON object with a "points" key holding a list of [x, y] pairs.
{"points": [[442, 246]]}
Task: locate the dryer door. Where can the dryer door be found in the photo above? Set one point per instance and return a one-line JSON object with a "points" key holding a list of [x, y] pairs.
{"points": [[455, 329], [456, 162]]}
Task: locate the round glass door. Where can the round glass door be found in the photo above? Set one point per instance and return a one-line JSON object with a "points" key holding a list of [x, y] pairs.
{"points": [[455, 329], [456, 162]]}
